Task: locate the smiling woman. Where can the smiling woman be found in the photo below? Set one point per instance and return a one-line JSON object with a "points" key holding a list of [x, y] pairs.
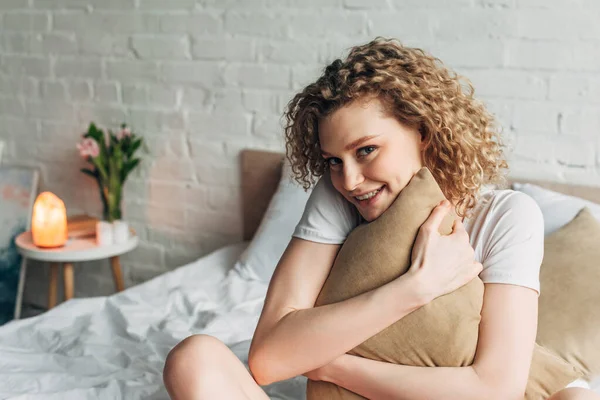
{"points": [[369, 177], [362, 131], [413, 93]]}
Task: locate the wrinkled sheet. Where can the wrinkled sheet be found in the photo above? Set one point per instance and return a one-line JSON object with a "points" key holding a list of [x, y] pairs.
{"points": [[114, 347]]}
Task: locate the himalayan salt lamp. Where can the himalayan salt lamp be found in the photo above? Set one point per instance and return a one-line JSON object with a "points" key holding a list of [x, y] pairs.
{"points": [[49, 221]]}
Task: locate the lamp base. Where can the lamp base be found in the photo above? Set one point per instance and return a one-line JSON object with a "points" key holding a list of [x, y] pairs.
{"points": [[51, 246]]}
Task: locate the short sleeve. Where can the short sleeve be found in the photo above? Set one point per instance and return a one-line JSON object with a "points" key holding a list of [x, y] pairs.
{"points": [[328, 217], [514, 243]]}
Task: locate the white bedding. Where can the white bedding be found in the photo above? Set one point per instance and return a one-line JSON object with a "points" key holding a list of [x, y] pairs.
{"points": [[114, 347]]}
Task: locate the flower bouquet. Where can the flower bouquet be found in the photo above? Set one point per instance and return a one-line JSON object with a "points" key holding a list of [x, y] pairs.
{"points": [[112, 156]]}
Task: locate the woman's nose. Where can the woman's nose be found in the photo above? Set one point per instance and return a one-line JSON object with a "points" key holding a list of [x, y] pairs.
{"points": [[352, 177]]}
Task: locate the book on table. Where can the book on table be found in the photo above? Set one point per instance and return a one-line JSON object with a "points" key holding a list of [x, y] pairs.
{"points": [[81, 225]]}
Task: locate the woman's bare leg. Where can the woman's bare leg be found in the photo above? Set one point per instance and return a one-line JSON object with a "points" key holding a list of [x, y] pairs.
{"points": [[202, 367], [575, 394]]}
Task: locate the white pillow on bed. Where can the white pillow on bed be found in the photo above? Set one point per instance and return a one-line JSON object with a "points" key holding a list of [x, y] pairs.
{"points": [[261, 256], [558, 209]]}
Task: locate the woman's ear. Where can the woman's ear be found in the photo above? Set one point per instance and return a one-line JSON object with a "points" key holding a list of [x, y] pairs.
{"points": [[422, 139]]}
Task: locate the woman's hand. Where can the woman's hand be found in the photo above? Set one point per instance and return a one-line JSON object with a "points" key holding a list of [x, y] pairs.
{"points": [[442, 263]]}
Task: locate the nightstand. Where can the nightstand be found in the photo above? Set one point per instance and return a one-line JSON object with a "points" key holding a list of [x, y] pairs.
{"points": [[75, 250]]}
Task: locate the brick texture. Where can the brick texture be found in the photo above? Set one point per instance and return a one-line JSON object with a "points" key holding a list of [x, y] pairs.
{"points": [[202, 79]]}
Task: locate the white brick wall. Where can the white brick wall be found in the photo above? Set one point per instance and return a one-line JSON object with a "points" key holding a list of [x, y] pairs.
{"points": [[202, 79]]}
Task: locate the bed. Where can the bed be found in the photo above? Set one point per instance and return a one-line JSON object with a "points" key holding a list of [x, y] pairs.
{"points": [[114, 347]]}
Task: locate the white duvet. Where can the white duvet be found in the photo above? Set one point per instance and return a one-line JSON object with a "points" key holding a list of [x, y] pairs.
{"points": [[114, 347]]}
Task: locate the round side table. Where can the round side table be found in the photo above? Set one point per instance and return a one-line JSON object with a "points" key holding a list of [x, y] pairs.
{"points": [[75, 250]]}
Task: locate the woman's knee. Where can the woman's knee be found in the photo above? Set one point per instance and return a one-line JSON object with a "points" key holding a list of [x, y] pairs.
{"points": [[194, 359]]}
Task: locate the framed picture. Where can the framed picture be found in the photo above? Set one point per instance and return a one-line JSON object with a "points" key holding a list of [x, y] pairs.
{"points": [[18, 190]]}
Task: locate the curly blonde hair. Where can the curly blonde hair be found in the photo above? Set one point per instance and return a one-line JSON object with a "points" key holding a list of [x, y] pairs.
{"points": [[463, 148]]}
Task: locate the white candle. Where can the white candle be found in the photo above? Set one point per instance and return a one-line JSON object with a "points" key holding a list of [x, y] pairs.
{"points": [[120, 231], [104, 233]]}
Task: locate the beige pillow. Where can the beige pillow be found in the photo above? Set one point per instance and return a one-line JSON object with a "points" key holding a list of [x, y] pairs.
{"points": [[569, 313], [442, 333]]}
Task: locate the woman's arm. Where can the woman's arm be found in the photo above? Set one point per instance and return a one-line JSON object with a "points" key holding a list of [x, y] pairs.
{"points": [[500, 369], [293, 336]]}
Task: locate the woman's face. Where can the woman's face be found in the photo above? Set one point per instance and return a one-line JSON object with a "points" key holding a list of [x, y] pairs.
{"points": [[372, 156]]}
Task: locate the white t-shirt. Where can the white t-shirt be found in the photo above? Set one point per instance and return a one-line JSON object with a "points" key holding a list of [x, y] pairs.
{"points": [[506, 230]]}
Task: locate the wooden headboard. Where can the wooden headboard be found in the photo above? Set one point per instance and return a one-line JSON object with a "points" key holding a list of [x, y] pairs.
{"points": [[261, 171], [260, 174]]}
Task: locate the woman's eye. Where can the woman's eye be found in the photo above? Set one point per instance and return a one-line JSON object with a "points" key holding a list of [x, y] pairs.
{"points": [[366, 150], [333, 161]]}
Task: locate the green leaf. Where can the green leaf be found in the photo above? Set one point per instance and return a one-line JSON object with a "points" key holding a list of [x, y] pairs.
{"points": [[89, 172], [100, 167], [91, 130], [134, 146], [128, 167], [117, 157], [94, 133]]}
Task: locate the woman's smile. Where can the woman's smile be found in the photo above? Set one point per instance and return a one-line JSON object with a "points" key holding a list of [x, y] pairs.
{"points": [[369, 199]]}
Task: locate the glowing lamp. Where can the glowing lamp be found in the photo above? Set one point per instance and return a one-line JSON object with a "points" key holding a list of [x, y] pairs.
{"points": [[49, 221]]}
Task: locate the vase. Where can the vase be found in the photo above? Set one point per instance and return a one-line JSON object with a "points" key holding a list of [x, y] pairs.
{"points": [[111, 201]]}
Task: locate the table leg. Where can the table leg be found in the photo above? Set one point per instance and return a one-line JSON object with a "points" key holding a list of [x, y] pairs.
{"points": [[68, 276], [21, 286], [116, 269], [53, 285]]}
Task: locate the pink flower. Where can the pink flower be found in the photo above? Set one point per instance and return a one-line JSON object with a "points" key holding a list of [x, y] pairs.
{"points": [[88, 147], [123, 133]]}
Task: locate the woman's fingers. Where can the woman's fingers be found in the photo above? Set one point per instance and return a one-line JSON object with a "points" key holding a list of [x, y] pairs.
{"points": [[457, 225], [436, 217], [474, 270]]}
